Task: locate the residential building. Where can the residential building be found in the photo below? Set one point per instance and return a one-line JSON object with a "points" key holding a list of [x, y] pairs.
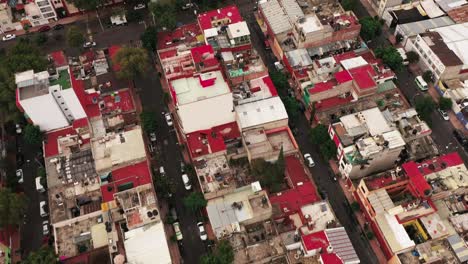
{"points": [[46, 8], [147, 244], [243, 66], [6, 19], [232, 212], [457, 91], [38, 12], [366, 143], [410, 30], [48, 101]]}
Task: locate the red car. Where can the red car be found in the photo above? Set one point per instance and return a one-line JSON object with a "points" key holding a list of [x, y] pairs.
{"points": [[44, 29]]}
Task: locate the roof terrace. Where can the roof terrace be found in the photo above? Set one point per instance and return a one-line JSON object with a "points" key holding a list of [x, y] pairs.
{"points": [[267, 144], [186, 35]]}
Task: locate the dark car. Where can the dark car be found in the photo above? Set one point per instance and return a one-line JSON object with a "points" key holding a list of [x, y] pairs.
{"points": [[44, 29], [58, 27]]}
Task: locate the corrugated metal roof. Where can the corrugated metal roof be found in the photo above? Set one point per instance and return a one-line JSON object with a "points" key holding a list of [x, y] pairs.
{"points": [[380, 201], [275, 16], [459, 247], [415, 28], [339, 240], [292, 9]]}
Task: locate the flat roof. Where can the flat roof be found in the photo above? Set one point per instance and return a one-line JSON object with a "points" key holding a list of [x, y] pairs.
{"points": [[372, 119], [59, 58], [212, 140], [456, 39], [147, 244], [238, 29], [184, 35], [353, 62], [290, 201], [275, 16], [415, 28], [188, 90], [394, 232], [292, 9], [261, 112], [431, 9], [309, 24], [299, 58], [448, 5], [117, 102], [228, 12]]}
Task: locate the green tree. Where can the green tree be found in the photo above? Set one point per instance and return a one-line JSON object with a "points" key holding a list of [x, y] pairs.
{"points": [[412, 56], [134, 15], [195, 201], [271, 175], [40, 39], [168, 20], [355, 206], [319, 136], [90, 5], [75, 37], [445, 103], [222, 254], [370, 28], [425, 106], [33, 134], [45, 255], [163, 186], [391, 57], [133, 62], [292, 107], [428, 76], [348, 5], [12, 207], [280, 80], [149, 38], [165, 15], [148, 121]]}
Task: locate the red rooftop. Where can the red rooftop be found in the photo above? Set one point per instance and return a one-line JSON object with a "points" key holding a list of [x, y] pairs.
{"points": [[223, 16]]}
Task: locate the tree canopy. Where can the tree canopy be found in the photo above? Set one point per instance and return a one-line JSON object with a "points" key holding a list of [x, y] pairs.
{"points": [[148, 121], [87, 4], [412, 56], [222, 254], [370, 28], [75, 37], [165, 15], [133, 62], [195, 201], [348, 5], [149, 38], [428, 76], [391, 57], [445, 103], [425, 106], [45, 255], [271, 175], [319, 136], [12, 207], [280, 80], [33, 134], [292, 107]]}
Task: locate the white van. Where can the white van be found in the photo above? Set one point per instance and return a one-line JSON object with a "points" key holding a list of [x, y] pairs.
{"points": [[421, 83], [42, 208], [39, 186]]}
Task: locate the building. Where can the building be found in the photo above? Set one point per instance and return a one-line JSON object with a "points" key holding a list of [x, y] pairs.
{"points": [[366, 143], [457, 91], [48, 101], [409, 30], [6, 19], [322, 31], [146, 244], [440, 51], [38, 12], [232, 212]]}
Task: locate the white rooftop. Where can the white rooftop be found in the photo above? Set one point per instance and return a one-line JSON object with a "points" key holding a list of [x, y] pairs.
{"points": [[190, 90], [394, 139], [275, 16], [352, 63], [380, 201], [372, 119], [147, 244], [292, 9], [309, 24], [260, 112], [431, 8], [211, 32], [30, 75], [448, 5], [237, 30], [456, 38], [394, 232]]}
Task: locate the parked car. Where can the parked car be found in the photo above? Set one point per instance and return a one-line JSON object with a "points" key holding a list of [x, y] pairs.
{"points": [[45, 227], [152, 137], [44, 29], [201, 229], [178, 234], [186, 181], [173, 213], [444, 114], [139, 6], [161, 171], [58, 27], [309, 160], [182, 167], [421, 83], [19, 175], [89, 44], [187, 6], [168, 119], [8, 37], [43, 208], [18, 128]]}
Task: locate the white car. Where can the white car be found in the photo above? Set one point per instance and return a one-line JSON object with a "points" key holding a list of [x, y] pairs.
{"points": [[89, 44], [444, 114], [309, 160], [161, 171], [186, 180], [201, 229], [8, 37], [19, 174], [152, 137], [187, 6], [168, 119], [19, 130], [139, 6], [178, 234], [45, 228]]}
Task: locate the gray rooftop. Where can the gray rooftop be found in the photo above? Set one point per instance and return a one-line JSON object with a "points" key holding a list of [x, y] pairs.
{"points": [[415, 28], [342, 247], [459, 247], [276, 18], [79, 166]]}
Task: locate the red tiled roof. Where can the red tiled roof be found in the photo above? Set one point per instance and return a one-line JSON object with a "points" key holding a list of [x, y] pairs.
{"points": [[290, 201], [51, 143], [295, 171], [322, 86], [343, 76], [204, 54], [267, 80], [121, 100], [59, 58], [112, 51], [231, 12], [364, 76], [184, 34], [138, 174], [214, 137], [317, 240]]}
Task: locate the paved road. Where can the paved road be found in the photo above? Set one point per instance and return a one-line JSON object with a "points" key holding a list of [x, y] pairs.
{"points": [[31, 231], [151, 95]]}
